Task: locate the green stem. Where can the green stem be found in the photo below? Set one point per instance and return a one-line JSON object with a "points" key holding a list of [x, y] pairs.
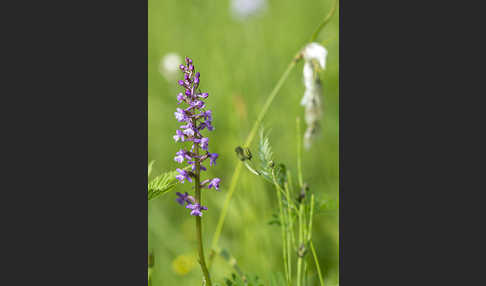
{"points": [[289, 226], [301, 240], [299, 154], [283, 227], [289, 208], [301, 207], [270, 99], [222, 215], [309, 231], [324, 22], [197, 187], [317, 263], [305, 273]]}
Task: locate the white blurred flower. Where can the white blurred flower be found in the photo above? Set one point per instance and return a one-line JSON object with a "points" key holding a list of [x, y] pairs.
{"points": [[242, 9], [169, 66], [315, 58]]}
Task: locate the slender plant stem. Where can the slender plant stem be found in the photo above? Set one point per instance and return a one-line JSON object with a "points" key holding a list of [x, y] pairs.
{"points": [[289, 226], [301, 207], [283, 227], [301, 240], [256, 125], [305, 273], [222, 215], [309, 231], [286, 254], [270, 99], [289, 207], [299, 154], [197, 188], [324, 22], [317, 263]]}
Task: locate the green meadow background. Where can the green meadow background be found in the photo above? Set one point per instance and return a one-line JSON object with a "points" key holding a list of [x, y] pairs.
{"points": [[240, 62]]}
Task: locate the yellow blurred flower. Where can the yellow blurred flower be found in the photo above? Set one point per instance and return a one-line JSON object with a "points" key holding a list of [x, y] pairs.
{"points": [[183, 264]]}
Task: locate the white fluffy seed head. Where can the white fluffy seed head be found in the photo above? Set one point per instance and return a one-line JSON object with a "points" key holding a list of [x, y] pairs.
{"points": [[313, 107], [309, 75], [314, 59], [309, 82], [169, 66], [315, 51]]}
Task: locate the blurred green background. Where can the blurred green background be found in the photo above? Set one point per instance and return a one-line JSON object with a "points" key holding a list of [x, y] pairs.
{"points": [[240, 61]]}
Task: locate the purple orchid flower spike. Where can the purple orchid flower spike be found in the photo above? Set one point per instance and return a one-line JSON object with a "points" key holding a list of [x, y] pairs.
{"points": [[196, 118]]}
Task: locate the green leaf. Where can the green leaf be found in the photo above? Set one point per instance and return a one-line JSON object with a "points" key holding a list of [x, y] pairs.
{"points": [[265, 150], [265, 154], [150, 167], [162, 184], [268, 165]]}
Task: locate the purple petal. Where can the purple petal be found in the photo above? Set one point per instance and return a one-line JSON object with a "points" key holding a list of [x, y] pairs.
{"points": [[196, 213], [180, 178], [190, 206], [179, 158]]}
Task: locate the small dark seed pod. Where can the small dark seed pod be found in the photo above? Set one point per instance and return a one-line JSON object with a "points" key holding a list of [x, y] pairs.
{"points": [[302, 251], [243, 153], [271, 164]]}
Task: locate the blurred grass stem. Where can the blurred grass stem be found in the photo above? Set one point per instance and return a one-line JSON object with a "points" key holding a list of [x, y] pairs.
{"points": [[285, 238], [301, 243], [317, 263], [299, 154], [288, 226], [324, 22], [301, 206]]}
